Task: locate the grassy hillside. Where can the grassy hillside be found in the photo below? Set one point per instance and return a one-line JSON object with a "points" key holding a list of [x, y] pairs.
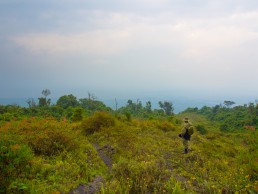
{"points": [[108, 153]]}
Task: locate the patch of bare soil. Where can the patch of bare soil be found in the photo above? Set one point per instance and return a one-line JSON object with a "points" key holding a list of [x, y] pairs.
{"points": [[105, 154], [90, 188], [93, 187]]}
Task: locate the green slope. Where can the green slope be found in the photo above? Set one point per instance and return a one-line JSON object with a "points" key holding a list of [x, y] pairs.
{"points": [[109, 154]]}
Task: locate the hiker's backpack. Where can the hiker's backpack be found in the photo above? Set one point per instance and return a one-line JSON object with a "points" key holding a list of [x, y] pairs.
{"points": [[190, 129], [189, 132]]}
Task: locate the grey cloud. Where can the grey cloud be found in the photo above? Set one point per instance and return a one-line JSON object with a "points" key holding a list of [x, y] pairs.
{"points": [[137, 45]]}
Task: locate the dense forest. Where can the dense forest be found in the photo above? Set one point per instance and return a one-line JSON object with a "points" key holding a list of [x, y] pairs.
{"points": [[83, 146]]}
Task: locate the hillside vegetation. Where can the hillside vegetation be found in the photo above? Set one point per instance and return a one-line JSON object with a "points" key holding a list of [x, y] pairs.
{"points": [[109, 151]]}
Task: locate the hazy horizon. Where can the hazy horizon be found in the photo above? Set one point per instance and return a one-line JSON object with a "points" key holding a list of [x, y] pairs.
{"points": [[179, 103], [196, 50]]}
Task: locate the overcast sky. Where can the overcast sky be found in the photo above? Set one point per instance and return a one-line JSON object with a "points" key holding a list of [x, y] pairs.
{"points": [[129, 48]]}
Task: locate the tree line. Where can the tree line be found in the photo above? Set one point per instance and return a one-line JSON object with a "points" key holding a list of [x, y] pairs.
{"points": [[229, 117], [70, 107]]}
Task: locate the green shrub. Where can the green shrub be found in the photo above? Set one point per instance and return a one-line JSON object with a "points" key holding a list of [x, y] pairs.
{"points": [[6, 116], [178, 121], [77, 114], [52, 143], [201, 129], [14, 163], [97, 121], [141, 176], [166, 126], [128, 116]]}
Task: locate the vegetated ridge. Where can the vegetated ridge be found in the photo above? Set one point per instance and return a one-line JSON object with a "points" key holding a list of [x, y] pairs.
{"points": [[85, 149]]}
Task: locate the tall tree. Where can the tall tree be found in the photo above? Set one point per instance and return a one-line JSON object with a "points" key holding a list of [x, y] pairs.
{"points": [[148, 106], [31, 103], [43, 101], [167, 107], [93, 105], [116, 103], [67, 100], [228, 103], [46, 92]]}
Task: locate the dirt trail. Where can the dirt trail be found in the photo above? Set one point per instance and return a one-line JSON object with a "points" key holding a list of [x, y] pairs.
{"points": [[93, 187], [89, 188], [105, 154]]}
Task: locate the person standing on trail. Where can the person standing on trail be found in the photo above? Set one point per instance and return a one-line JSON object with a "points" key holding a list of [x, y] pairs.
{"points": [[187, 131]]}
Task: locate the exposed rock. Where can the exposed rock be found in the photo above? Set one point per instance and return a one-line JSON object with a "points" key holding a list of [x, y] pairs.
{"points": [[90, 188]]}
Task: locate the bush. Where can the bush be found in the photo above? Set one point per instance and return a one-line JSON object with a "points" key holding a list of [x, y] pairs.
{"points": [[77, 115], [52, 143], [224, 128], [201, 129], [14, 163], [6, 117], [141, 176], [46, 137], [166, 126], [178, 121], [97, 121], [128, 116]]}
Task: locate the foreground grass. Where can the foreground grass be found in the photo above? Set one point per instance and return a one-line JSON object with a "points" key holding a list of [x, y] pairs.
{"points": [[149, 160], [45, 156], [49, 156]]}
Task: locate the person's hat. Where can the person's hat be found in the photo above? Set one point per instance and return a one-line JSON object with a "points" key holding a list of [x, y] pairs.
{"points": [[186, 119]]}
